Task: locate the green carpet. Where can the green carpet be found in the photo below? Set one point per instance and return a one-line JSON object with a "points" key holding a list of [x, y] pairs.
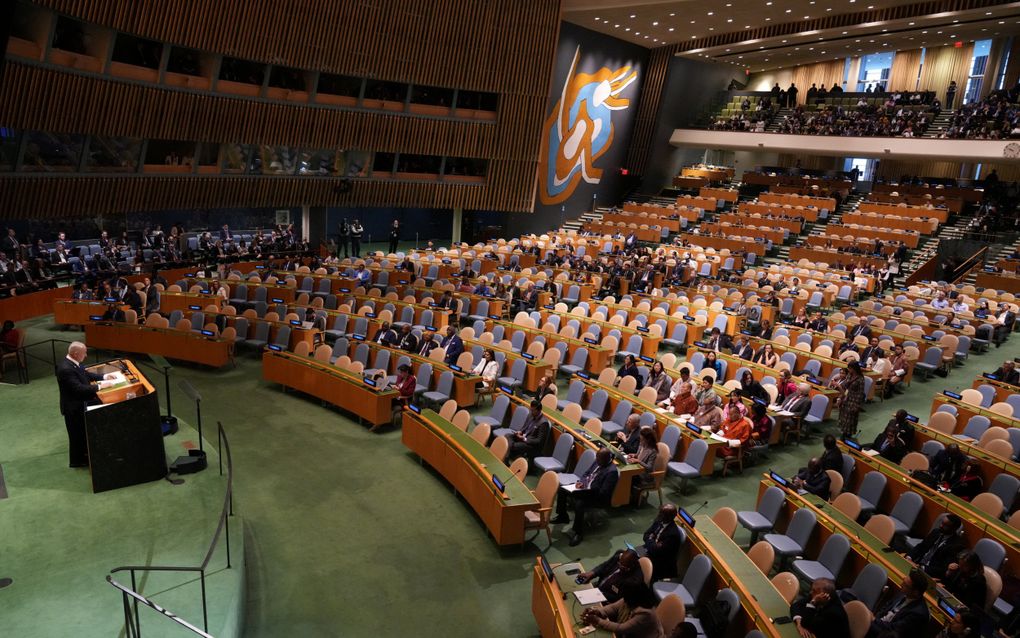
{"points": [[345, 532]]}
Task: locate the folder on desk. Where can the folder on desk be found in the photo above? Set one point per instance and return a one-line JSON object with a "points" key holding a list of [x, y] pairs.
{"points": [[590, 596], [718, 437]]}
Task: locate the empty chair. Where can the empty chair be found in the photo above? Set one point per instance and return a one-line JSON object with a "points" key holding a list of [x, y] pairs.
{"points": [[932, 361], [690, 467], [561, 452], [991, 553], [797, 535], [596, 406], [443, 391], [763, 519], [905, 512], [868, 586], [282, 338], [423, 380], [575, 392], [763, 556], [870, 491], [830, 560], [881, 527], [678, 338], [260, 339], [849, 504], [516, 377], [616, 422], [497, 414], [577, 362], [690, 587], [1005, 486], [726, 519], [633, 348], [976, 426]]}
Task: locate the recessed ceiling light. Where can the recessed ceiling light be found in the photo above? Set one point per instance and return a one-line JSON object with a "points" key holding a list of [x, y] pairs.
{"points": [[671, 31], [910, 24], [711, 28], [729, 19], [789, 10], [655, 24], [987, 13], [692, 21], [672, 15], [616, 26], [632, 16], [711, 13], [637, 33], [807, 17]]}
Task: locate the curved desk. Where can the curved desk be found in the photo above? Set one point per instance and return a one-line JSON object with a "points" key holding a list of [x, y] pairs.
{"points": [[469, 467], [179, 345], [329, 383]]}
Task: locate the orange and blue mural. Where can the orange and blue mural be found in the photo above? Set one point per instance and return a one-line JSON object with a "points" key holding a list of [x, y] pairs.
{"points": [[580, 129]]}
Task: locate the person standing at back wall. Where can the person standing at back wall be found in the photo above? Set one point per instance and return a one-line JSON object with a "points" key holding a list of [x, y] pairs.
{"points": [[345, 238], [394, 235], [356, 232]]}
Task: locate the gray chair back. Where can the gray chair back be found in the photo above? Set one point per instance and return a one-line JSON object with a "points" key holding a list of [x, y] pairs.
{"points": [[869, 583], [834, 553], [872, 487], [907, 507], [697, 575], [564, 445], [696, 453], [801, 526], [1005, 486], [771, 503]]}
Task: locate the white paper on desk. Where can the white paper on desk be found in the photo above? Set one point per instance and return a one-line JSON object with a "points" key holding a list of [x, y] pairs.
{"points": [[871, 452], [718, 437], [573, 488], [784, 413], [590, 596], [115, 378]]}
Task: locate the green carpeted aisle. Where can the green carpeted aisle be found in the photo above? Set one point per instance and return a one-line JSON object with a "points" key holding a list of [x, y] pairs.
{"points": [[345, 532]]}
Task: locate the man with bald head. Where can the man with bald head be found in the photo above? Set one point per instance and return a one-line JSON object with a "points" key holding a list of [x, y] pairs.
{"points": [[77, 389], [662, 542]]}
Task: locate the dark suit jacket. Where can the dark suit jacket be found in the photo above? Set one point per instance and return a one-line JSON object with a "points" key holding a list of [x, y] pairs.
{"points": [[746, 352], [944, 555], [76, 389], [894, 451], [454, 347], [860, 330], [1012, 378], [601, 488], [662, 545], [431, 345], [829, 620], [800, 407], [906, 621], [409, 343]]}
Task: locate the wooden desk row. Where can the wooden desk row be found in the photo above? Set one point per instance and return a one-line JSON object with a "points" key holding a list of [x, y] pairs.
{"points": [[652, 234], [1007, 282], [732, 244], [714, 173], [916, 212], [778, 210], [758, 232], [795, 225], [644, 219], [865, 547], [598, 356], [328, 383], [722, 194], [976, 524], [966, 194], [909, 238], [838, 241], [924, 226], [697, 201], [833, 257], [178, 345], [784, 199]]}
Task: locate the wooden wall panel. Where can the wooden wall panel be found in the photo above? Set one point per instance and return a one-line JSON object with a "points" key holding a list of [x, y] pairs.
{"points": [[34, 97], [35, 197], [405, 40], [652, 86]]}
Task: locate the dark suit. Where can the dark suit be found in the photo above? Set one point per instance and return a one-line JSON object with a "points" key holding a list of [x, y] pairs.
{"points": [[76, 391], [409, 343], [427, 347], [893, 451], [662, 543], [745, 352], [829, 620], [535, 432], [613, 581], [906, 617], [1012, 378], [860, 330], [601, 482], [454, 347], [936, 551], [798, 405]]}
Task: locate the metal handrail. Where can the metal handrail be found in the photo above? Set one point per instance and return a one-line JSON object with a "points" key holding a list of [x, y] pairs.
{"points": [[978, 258], [130, 595]]}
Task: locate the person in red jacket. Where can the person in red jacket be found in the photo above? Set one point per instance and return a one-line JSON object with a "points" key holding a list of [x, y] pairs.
{"points": [[405, 385]]}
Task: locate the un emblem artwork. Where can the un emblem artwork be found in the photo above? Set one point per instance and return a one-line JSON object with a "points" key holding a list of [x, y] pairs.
{"points": [[580, 129]]}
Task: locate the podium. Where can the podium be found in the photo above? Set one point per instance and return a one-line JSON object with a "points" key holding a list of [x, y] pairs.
{"points": [[125, 440]]}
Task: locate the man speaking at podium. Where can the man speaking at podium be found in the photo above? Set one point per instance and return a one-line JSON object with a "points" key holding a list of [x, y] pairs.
{"points": [[78, 387]]}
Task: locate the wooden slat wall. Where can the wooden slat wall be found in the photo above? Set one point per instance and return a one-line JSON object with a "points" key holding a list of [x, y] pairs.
{"points": [[652, 86], [61, 197], [497, 45], [501, 46]]}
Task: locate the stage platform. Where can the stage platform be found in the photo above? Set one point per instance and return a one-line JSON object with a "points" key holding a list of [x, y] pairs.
{"points": [[59, 541]]}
